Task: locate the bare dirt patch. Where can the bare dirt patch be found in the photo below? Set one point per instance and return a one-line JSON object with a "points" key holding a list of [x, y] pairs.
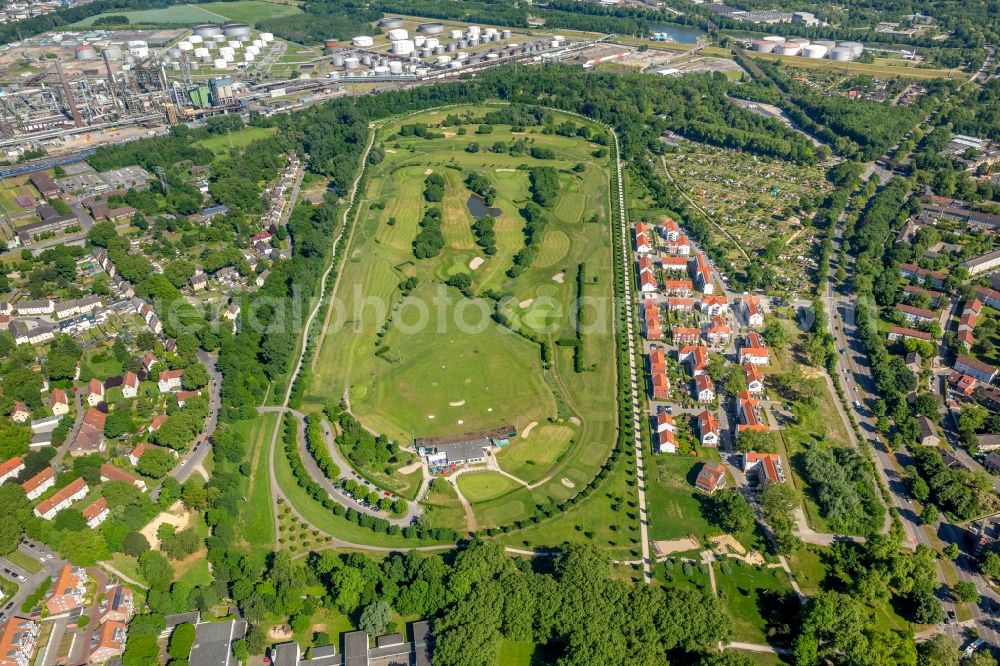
{"points": [[726, 544], [662, 548], [412, 467], [176, 515], [528, 428]]}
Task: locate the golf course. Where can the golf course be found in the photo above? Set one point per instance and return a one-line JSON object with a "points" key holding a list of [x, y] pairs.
{"points": [[471, 335]]}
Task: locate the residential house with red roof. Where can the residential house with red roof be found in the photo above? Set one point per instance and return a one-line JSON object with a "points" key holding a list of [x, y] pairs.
{"points": [[651, 321], [915, 315], [718, 332], [156, 422], [714, 305], [111, 473], [670, 230], [20, 413], [711, 477], [968, 320], [90, 437], [702, 274], [642, 240], [754, 350], [708, 429], [900, 332], [969, 365], [120, 605], [184, 396], [17, 641], [680, 246], [95, 392], [58, 402], [680, 304], [674, 264], [36, 486], [766, 467], [695, 357], [135, 455], [685, 335], [914, 272], [754, 377], [109, 641], [130, 385], [752, 311], [170, 380], [704, 388], [748, 414], [9, 469], [62, 499], [148, 361], [96, 513]]}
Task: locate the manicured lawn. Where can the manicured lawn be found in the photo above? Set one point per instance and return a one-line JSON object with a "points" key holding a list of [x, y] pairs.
{"points": [[247, 11], [530, 458], [516, 653], [442, 508], [748, 593], [808, 568], [195, 573], [128, 565], [223, 144], [258, 524], [483, 486], [677, 508], [21, 559], [671, 573]]}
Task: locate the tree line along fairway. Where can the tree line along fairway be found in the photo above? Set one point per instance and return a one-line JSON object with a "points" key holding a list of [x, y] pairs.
{"points": [[426, 374]]}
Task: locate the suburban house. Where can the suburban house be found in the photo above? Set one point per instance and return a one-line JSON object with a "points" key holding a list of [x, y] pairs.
{"points": [[651, 321], [663, 422], [647, 283], [708, 429], [973, 367], [928, 432], [711, 477], [110, 641], [714, 305], [704, 388], [897, 332], [642, 244], [111, 473], [754, 377], [749, 414], [170, 380], [754, 350], [96, 513], [766, 467], [683, 288], [678, 264], [9, 469], [680, 246], [680, 304], [916, 315], [156, 422], [695, 357], [39, 483], [95, 392], [62, 499], [670, 230], [130, 385], [120, 605], [143, 447], [752, 311], [17, 641], [148, 361], [685, 335], [717, 332], [183, 396], [90, 438], [658, 374], [58, 402], [702, 274], [20, 414], [67, 590], [666, 442], [968, 320]]}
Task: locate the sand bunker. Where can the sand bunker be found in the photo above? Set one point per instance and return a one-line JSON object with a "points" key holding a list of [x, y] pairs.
{"points": [[566, 482], [526, 302], [457, 403], [428, 172], [506, 170], [675, 546], [430, 416], [559, 277], [476, 262], [389, 150], [448, 135], [528, 428]]}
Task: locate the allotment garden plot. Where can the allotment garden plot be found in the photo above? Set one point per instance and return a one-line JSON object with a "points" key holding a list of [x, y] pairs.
{"points": [[445, 324]]}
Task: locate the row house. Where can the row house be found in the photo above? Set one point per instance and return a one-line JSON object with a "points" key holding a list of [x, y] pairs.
{"points": [[111, 473], [43, 332], [973, 367], [674, 264], [642, 240], [646, 275], [9, 469], [677, 304], [62, 499], [915, 315], [36, 486], [901, 332], [748, 414], [670, 230], [683, 288], [701, 272], [754, 377], [102, 259], [967, 322], [67, 591], [658, 374], [754, 350], [752, 310], [936, 297], [914, 272], [78, 306], [37, 307], [96, 513], [695, 357], [708, 429], [718, 332], [681, 246], [665, 432], [714, 305], [704, 388], [651, 321], [990, 297], [685, 335]]}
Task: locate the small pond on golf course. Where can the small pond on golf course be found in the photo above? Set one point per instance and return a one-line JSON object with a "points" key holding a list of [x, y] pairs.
{"points": [[478, 208]]}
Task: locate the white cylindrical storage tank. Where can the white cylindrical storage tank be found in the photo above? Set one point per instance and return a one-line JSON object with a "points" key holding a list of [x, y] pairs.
{"points": [[234, 30], [418, 40], [337, 60], [86, 52], [451, 48], [186, 46], [266, 37], [218, 39], [443, 60], [259, 43], [492, 56], [229, 57], [227, 49], [856, 48], [395, 67], [455, 34], [364, 41], [403, 47], [777, 39], [252, 50], [473, 30], [431, 28], [201, 52], [380, 70], [473, 41], [840, 53], [801, 41], [351, 62], [421, 71], [390, 22], [814, 51], [762, 45], [234, 44], [248, 57], [207, 30], [462, 43], [438, 50], [505, 34], [432, 43], [366, 60], [828, 43], [789, 49], [461, 55], [174, 52], [426, 52], [396, 34], [113, 53], [196, 39], [219, 63]]}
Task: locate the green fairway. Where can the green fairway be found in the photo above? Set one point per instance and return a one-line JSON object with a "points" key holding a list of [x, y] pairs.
{"points": [[437, 362], [223, 144], [246, 11], [483, 486]]}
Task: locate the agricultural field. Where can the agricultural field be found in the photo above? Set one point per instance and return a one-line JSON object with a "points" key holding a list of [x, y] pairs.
{"points": [[764, 205], [437, 359], [245, 11]]}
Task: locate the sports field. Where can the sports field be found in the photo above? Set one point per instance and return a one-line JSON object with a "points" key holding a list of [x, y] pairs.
{"points": [[436, 362], [245, 11]]}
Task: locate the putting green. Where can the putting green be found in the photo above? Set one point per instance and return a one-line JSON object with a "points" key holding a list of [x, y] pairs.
{"points": [[484, 486]]}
